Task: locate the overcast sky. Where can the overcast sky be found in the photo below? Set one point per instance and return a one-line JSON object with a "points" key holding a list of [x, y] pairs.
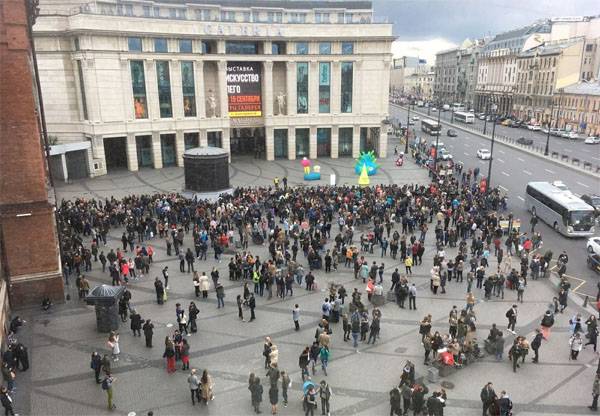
{"points": [[425, 26]]}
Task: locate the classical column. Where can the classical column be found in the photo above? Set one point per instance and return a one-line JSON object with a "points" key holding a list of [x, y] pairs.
{"points": [[270, 142], [357, 88], [90, 82], [199, 89], [179, 147], [312, 142], [268, 88], [291, 143], [313, 88], [176, 91], [335, 145], [226, 142], [156, 150], [290, 82], [223, 105], [131, 148], [335, 88], [383, 142], [152, 90], [126, 89], [355, 141], [64, 168], [202, 138]]}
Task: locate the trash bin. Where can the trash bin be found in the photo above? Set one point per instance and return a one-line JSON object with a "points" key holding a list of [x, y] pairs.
{"points": [[106, 300], [433, 375]]}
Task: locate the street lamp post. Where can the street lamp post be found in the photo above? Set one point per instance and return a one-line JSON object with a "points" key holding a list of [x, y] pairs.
{"points": [[437, 139], [487, 104], [489, 177], [546, 150], [407, 129]]}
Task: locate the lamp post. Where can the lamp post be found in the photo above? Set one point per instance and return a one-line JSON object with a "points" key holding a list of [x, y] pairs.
{"points": [[546, 150], [487, 106], [407, 129], [489, 177], [437, 139]]}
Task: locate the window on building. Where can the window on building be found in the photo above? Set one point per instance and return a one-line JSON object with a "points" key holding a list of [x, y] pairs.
{"points": [[302, 142], [348, 17], [147, 11], [160, 45], [128, 10], [302, 87], [589, 47], [134, 44], [173, 13], [301, 48], [321, 17], [340, 17], [76, 43], [182, 14], [188, 89], [246, 16], [185, 45], [156, 11], [82, 91], [325, 48], [278, 48], [324, 87], [346, 87], [347, 48], [208, 47], [227, 16], [163, 80], [138, 84], [345, 141], [241, 48]]}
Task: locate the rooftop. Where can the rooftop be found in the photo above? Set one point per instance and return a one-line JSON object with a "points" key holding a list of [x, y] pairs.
{"points": [[284, 4], [550, 48], [583, 88]]}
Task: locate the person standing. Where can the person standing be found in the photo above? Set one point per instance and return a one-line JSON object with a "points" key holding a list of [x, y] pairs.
{"points": [[576, 344], [488, 395], [296, 317], [136, 323], [285, 385], [113, 344], [536, 344], [511, 314], [595, 393], [169, 354], [148, 329], [252, 305], [256, 391], [505, 404], [107, 385], [206, 387], [355, 328], [273, 398], [412, 297], [220, 295], [193, 312], [325, 394], [194, 383], [22, 356], [240, 302], [310, 402], [96, 365], [7, 402]]}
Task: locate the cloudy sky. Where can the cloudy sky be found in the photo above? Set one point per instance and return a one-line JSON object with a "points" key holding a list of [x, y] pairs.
{"points": [[424, 27]]}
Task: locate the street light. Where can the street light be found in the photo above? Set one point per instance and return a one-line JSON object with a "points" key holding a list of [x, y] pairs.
{"points": [[437, 138], [489, 177], [548, 132], [487, 104], [407, 128]]}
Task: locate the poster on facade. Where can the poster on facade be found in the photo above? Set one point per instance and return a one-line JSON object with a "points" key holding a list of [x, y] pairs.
{"points": [[244, 89]]}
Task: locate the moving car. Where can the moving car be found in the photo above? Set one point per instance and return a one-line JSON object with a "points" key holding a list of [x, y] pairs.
{"points": [[593, 261], [516, 124], [524, 141], [534, 127], [555, 132], [592, 140], [451, 133], [444, 154], [481, 117], [572, 135], [434, 110], [415, 118], [484, 154], [593, 200], [593, 245]]}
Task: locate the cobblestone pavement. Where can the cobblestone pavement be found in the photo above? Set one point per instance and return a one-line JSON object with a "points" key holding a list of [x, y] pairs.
{"points": [[60, 381]]}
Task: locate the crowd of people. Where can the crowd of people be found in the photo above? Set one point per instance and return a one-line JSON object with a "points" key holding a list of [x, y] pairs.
{"points": [[334, 229]]}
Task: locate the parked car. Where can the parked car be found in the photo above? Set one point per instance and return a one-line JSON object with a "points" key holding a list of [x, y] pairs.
{"points": [[484, 154], [593, 200], [545, 130], [451, 133], [415, 118], [434, 110], [573, 135], [593, 261], [444, 154], [524, 141], [516, 124], [565, 134], [592, 140], [555, 132], [593, 245], [481, 117], [508, 122], [534, 127]]}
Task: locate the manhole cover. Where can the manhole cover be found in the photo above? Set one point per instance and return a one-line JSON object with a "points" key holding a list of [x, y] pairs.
{"points": [[400, 350], [447, 385]]}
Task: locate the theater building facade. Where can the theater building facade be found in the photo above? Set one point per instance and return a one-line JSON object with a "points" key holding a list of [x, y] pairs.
{"points": [[129, 85]]}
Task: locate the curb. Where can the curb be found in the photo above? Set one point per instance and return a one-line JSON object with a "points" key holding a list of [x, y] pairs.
{"points": [[513, 146]]}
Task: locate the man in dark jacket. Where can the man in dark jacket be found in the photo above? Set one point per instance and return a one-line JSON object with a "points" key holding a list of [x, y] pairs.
{"points": [[535, 344], [7, 401], [22, 356], [148, 332], [395, 402], [136, 323], [487, 397]]}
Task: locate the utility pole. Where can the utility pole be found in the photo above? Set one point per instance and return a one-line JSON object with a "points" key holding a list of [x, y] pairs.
{"points": [[487, 104], [407, 129], [489, 176], [437, 138]]}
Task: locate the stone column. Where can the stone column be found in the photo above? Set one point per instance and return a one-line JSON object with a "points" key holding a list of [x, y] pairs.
{"points": [[199, 89], [202, 138], [226, 142], [312, 140], [179, 147], [357, 88], [335, 88], [291, 143], [268, 88], [223, 105], [176, 91], [355, 141], [65, 169], [91, 84], [132, 158], [313, 88], [383, 141], [335, 142], [156, 150], [151, 90], [291, 90], [270, 142]]}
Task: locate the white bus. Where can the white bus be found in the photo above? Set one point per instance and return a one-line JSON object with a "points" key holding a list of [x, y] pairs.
{"points": [[458, 107], [467, 118], [560, 209], [431, 127]]}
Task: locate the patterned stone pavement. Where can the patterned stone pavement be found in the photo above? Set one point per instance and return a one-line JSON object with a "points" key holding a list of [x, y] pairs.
{"points": [[60, 381]]}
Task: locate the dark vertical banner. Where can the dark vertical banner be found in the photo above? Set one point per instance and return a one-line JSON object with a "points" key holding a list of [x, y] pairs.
{"points": [[244, 89]]}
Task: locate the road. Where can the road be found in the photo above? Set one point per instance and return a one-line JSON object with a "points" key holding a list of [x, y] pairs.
{"points": [[512, 169], [571, 148]]}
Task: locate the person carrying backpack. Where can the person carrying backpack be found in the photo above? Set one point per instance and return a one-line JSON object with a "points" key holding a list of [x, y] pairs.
{"points": [[107, 385]]}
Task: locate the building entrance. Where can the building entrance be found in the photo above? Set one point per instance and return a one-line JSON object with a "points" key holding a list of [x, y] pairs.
{"points": [[248, 141], [115, 153]]}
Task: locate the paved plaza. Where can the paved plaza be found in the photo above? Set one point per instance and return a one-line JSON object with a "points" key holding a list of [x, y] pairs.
{"points": [[60, 381]]}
